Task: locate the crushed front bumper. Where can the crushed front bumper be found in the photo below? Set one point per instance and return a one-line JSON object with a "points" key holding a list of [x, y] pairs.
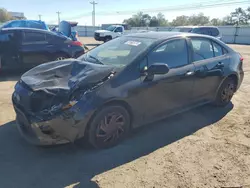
{"points": [[59, 130], [33, 133]]}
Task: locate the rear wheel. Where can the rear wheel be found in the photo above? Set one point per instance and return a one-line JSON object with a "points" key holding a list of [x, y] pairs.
{"points": [[226, 92], [109, 127], [60, 56]]}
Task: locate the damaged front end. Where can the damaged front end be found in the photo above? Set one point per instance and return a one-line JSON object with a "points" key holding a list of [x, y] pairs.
{"points": [[53, 102]]}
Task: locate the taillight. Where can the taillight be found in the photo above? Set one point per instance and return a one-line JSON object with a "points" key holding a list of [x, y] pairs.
{"points": [[241, 59], [76, 43]]}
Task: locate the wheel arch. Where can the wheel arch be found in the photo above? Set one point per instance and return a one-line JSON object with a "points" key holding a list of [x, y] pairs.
{"points": [[60, 52], [233, 76]]}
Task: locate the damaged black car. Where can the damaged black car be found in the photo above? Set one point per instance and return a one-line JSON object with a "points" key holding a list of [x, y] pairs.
{"points": [[122, 84]]}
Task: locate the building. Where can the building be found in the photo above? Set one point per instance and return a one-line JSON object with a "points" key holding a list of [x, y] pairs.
{"points": [[17, 15]]}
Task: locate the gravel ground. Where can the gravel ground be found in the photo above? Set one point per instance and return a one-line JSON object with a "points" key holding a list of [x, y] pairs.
{"points": [[205, 147]]}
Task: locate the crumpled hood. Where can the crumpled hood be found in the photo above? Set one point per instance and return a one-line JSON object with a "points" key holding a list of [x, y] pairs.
{"points": [[63, 77]]}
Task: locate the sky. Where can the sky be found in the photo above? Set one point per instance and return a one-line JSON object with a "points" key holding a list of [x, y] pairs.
{"points": [[114, 11]]}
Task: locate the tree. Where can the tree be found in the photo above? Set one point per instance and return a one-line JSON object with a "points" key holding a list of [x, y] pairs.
{"points": [[142, 20], [154, 22], [248, 13], [216, 22], [161, 20], [180, 21], [199, 19], [4, 15], [227, 20], [239, 17]]}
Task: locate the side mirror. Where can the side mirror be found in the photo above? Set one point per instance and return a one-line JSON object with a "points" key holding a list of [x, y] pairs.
{"points": [[158, 68]]}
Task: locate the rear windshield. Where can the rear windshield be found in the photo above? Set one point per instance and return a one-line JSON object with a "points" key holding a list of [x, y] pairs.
{"points": [[206, 31], [182, 29]]}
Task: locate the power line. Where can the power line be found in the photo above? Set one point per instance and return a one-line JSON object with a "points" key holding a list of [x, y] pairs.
{"points": [[58, 17], [200, 5], [93, 12]]}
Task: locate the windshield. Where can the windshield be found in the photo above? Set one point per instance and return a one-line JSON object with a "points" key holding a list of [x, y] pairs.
{"points": [[111, 28], [119, 52], [182, 29]]}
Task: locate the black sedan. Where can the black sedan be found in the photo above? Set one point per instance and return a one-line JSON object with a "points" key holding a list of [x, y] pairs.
{"points": [[24, 48], [122, 84]]}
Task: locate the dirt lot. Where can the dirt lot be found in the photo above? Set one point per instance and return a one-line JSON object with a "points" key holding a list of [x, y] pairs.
{"points": [[205, 147]]}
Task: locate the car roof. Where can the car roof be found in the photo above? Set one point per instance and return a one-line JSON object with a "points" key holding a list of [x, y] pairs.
{"points": [[26, 29], [191, 26], [165, 35], [38, 21]]}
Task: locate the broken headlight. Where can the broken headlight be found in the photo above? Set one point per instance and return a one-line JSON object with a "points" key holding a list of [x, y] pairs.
{"points": [[71, 104]]}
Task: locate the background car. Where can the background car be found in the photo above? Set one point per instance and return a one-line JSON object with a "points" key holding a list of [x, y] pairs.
{"points": [[25, 23], [122, 84], [24, 48], [37, 24], [205, 30]]}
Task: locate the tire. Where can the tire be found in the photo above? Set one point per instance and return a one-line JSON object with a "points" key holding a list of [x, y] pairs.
{"points": [[225, 93], [105, 133], [108, 38]]}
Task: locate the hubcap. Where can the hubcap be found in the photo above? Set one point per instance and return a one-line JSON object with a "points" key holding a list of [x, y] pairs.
{"points": [[110, 128], [227, 93]]}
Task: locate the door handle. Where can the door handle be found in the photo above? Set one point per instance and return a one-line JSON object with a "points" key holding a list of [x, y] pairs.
{"points": [[189, 73], [220, 65]]}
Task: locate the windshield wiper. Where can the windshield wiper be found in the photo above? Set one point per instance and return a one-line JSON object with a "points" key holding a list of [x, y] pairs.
{"points": [[97, 60]]}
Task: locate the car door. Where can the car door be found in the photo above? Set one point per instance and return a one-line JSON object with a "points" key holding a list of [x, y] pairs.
{"points": [[9, 50], [172, 91], [34, 48], [209, 61], [118, 31]]}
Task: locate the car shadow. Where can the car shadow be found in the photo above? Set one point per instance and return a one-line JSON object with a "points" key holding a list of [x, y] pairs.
{"points": [[23, 165]]}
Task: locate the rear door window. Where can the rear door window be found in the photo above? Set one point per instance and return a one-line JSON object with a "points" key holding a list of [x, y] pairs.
{"points": [[203, 31], [218, 49], [202, 49], [35, 25], [5, 37], [33, 37]]}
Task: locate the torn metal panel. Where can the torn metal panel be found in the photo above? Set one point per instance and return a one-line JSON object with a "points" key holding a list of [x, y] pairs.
{"points": [[57, 83], [53, 99]]}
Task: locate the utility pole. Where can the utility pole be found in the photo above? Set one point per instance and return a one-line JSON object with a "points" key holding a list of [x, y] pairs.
{"points": [[93, 12], [58, 15], [40, 17]]}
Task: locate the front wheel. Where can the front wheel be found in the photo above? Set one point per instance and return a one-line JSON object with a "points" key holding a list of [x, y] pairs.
{"points": [[107, 39], [226, 92], [109, 127]]}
